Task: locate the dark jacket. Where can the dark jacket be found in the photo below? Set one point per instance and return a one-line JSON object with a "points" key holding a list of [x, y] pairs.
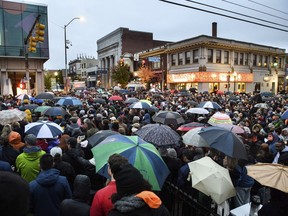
{"points": [[8, 154], [65, 170], [47, 192], [77, 206]]}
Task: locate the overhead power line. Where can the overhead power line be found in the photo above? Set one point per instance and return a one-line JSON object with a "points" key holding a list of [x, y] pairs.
{"points": [[219, 14], [268, 7], [255, 10]]}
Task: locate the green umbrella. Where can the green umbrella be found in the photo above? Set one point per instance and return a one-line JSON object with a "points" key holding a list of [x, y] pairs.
{"points": [[41, 108], [142, 155]]}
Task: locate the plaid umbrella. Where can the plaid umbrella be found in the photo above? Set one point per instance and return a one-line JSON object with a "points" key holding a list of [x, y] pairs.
{"points": [[168, 117], [69, 101], [11, 115], [159, 135], [43, 129]]}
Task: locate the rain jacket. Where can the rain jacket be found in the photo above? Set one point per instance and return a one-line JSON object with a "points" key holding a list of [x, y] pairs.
{"points": [[144, 203], [47, 192], [15, 140], [27, 163]]}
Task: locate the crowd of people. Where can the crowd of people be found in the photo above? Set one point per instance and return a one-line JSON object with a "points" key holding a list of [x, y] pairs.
{"points": [[55, 176]]}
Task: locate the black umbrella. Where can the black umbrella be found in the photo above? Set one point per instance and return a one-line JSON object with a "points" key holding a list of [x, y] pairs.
{"points": [[100, 100], [55, 111], [159, 135], [45, 96], [168, 117], [131, 100], [28, 106], [100, 136]]}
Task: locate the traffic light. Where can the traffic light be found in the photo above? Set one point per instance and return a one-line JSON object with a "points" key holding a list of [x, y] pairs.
{"points": [[143, 63], [32, 44], [121, 62], [22, 85], [39, 32]]}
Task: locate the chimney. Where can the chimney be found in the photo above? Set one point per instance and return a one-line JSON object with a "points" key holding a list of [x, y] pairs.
{"points": [[214, 29]]}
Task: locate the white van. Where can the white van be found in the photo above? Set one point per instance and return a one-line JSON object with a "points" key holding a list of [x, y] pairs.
{"points": [[135, 87]]}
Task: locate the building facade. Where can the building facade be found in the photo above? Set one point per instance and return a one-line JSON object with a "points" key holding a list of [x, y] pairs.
{"points": [[122, 43], [17, 64]]}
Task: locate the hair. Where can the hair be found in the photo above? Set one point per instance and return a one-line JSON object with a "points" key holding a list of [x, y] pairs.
{"points": [[116, 162], [72, 141], [6, 130], [4, 141], [46, 161], [63, 142]]}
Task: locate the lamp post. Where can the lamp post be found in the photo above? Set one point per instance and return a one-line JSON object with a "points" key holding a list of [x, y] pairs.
{"points": [[228, 81], [235, 79], [65, 43]]}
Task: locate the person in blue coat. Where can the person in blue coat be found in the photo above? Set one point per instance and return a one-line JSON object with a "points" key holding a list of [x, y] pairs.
{"points": [[48, 190]]}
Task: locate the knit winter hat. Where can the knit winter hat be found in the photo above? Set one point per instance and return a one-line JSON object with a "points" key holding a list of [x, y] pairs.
{"points": [[128, 180]]}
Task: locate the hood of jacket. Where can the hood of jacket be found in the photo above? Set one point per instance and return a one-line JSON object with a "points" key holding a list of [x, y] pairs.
{"points": [[32, 153], [82, 186], [48, 177]]}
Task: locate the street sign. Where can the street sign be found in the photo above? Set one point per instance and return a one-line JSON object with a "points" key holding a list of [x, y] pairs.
{"points": [[102, 71], [154, 59]]}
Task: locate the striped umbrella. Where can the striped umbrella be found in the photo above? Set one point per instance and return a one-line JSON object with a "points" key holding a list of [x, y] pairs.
{"points": [[69, 101], [159, 135], [219, 118], [140, 105], [142, 155], [11, 115], [43, 129], [209, 105]]}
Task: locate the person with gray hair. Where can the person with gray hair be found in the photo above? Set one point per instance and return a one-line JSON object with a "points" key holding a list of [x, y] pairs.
{"points": [[27, 163]]}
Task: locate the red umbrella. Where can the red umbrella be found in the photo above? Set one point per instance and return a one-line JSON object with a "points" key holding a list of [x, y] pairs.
{"points": [[115, 98], [189, 126]]}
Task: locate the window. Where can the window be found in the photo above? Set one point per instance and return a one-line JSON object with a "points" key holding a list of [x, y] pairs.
{"points": [[187, 57], [226, 57], [246, 59], [254, 58], [218, 56], [259, 61], [236, 58], [195, 56], [210, 55], [241, 58], [265, 63], [173, 59], [180, 58]]}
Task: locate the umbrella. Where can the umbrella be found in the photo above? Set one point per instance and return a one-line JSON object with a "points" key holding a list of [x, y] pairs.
{"points": [[11, 115], [271, 175], [285, 115], [219, 118], [168, 117], [115, 98], [45, 95], [146, 101], [191, 125], [131, 100], [200, 111], [209, 105], [182, 94], [100, 136], [142, 155], [159, 135], [191, 102], [140, 105], [29, 106], [266, 94], [219, 92], [224, 141], [43, 129], [262, 105], [69, 101], [100, 100], [234, 128], [41, 108], [55, 111], [211, 179], [23, 97], [193, 138]]}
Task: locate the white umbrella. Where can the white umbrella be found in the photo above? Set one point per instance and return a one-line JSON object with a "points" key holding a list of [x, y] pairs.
{"points": [[211, 179], [23, 97], [262, 105], [197, 110], [193, 138], [11, 115], [43, 129]]}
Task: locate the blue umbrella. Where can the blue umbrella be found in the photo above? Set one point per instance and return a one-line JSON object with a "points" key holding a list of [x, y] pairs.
{"points": [[69, 101], [285, 115], [43, 129], [55, 111], [142, 155]]}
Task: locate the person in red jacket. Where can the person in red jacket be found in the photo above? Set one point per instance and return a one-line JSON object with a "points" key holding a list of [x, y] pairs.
{"points": [[102, 204]]}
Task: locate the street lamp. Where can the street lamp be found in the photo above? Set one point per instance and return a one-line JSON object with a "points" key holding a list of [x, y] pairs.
{"points": [[65, 43], [235, 79]]}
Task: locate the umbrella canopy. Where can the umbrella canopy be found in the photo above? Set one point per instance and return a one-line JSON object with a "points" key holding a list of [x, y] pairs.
{"points": [[28, 106], [45, 96], [159, 135], [11, 115], [219, 118], [266, 94], [224, 141], [211, 179], [100, 100], [41, 108], [209, 105], [193, 138], [142, 155], [271, 175], [285, 115], [43, 129], [168, 117], [69, 101], [234, 128], [200, 111], [140, 105], [146, 101], [115, 98], [55, 111], [131, 100], [262, 105], [100, 136], [191, 102], [23, 97], [191, 125]]}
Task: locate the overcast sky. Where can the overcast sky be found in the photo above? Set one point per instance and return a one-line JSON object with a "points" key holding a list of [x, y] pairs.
{"points": [[166, 22]]}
